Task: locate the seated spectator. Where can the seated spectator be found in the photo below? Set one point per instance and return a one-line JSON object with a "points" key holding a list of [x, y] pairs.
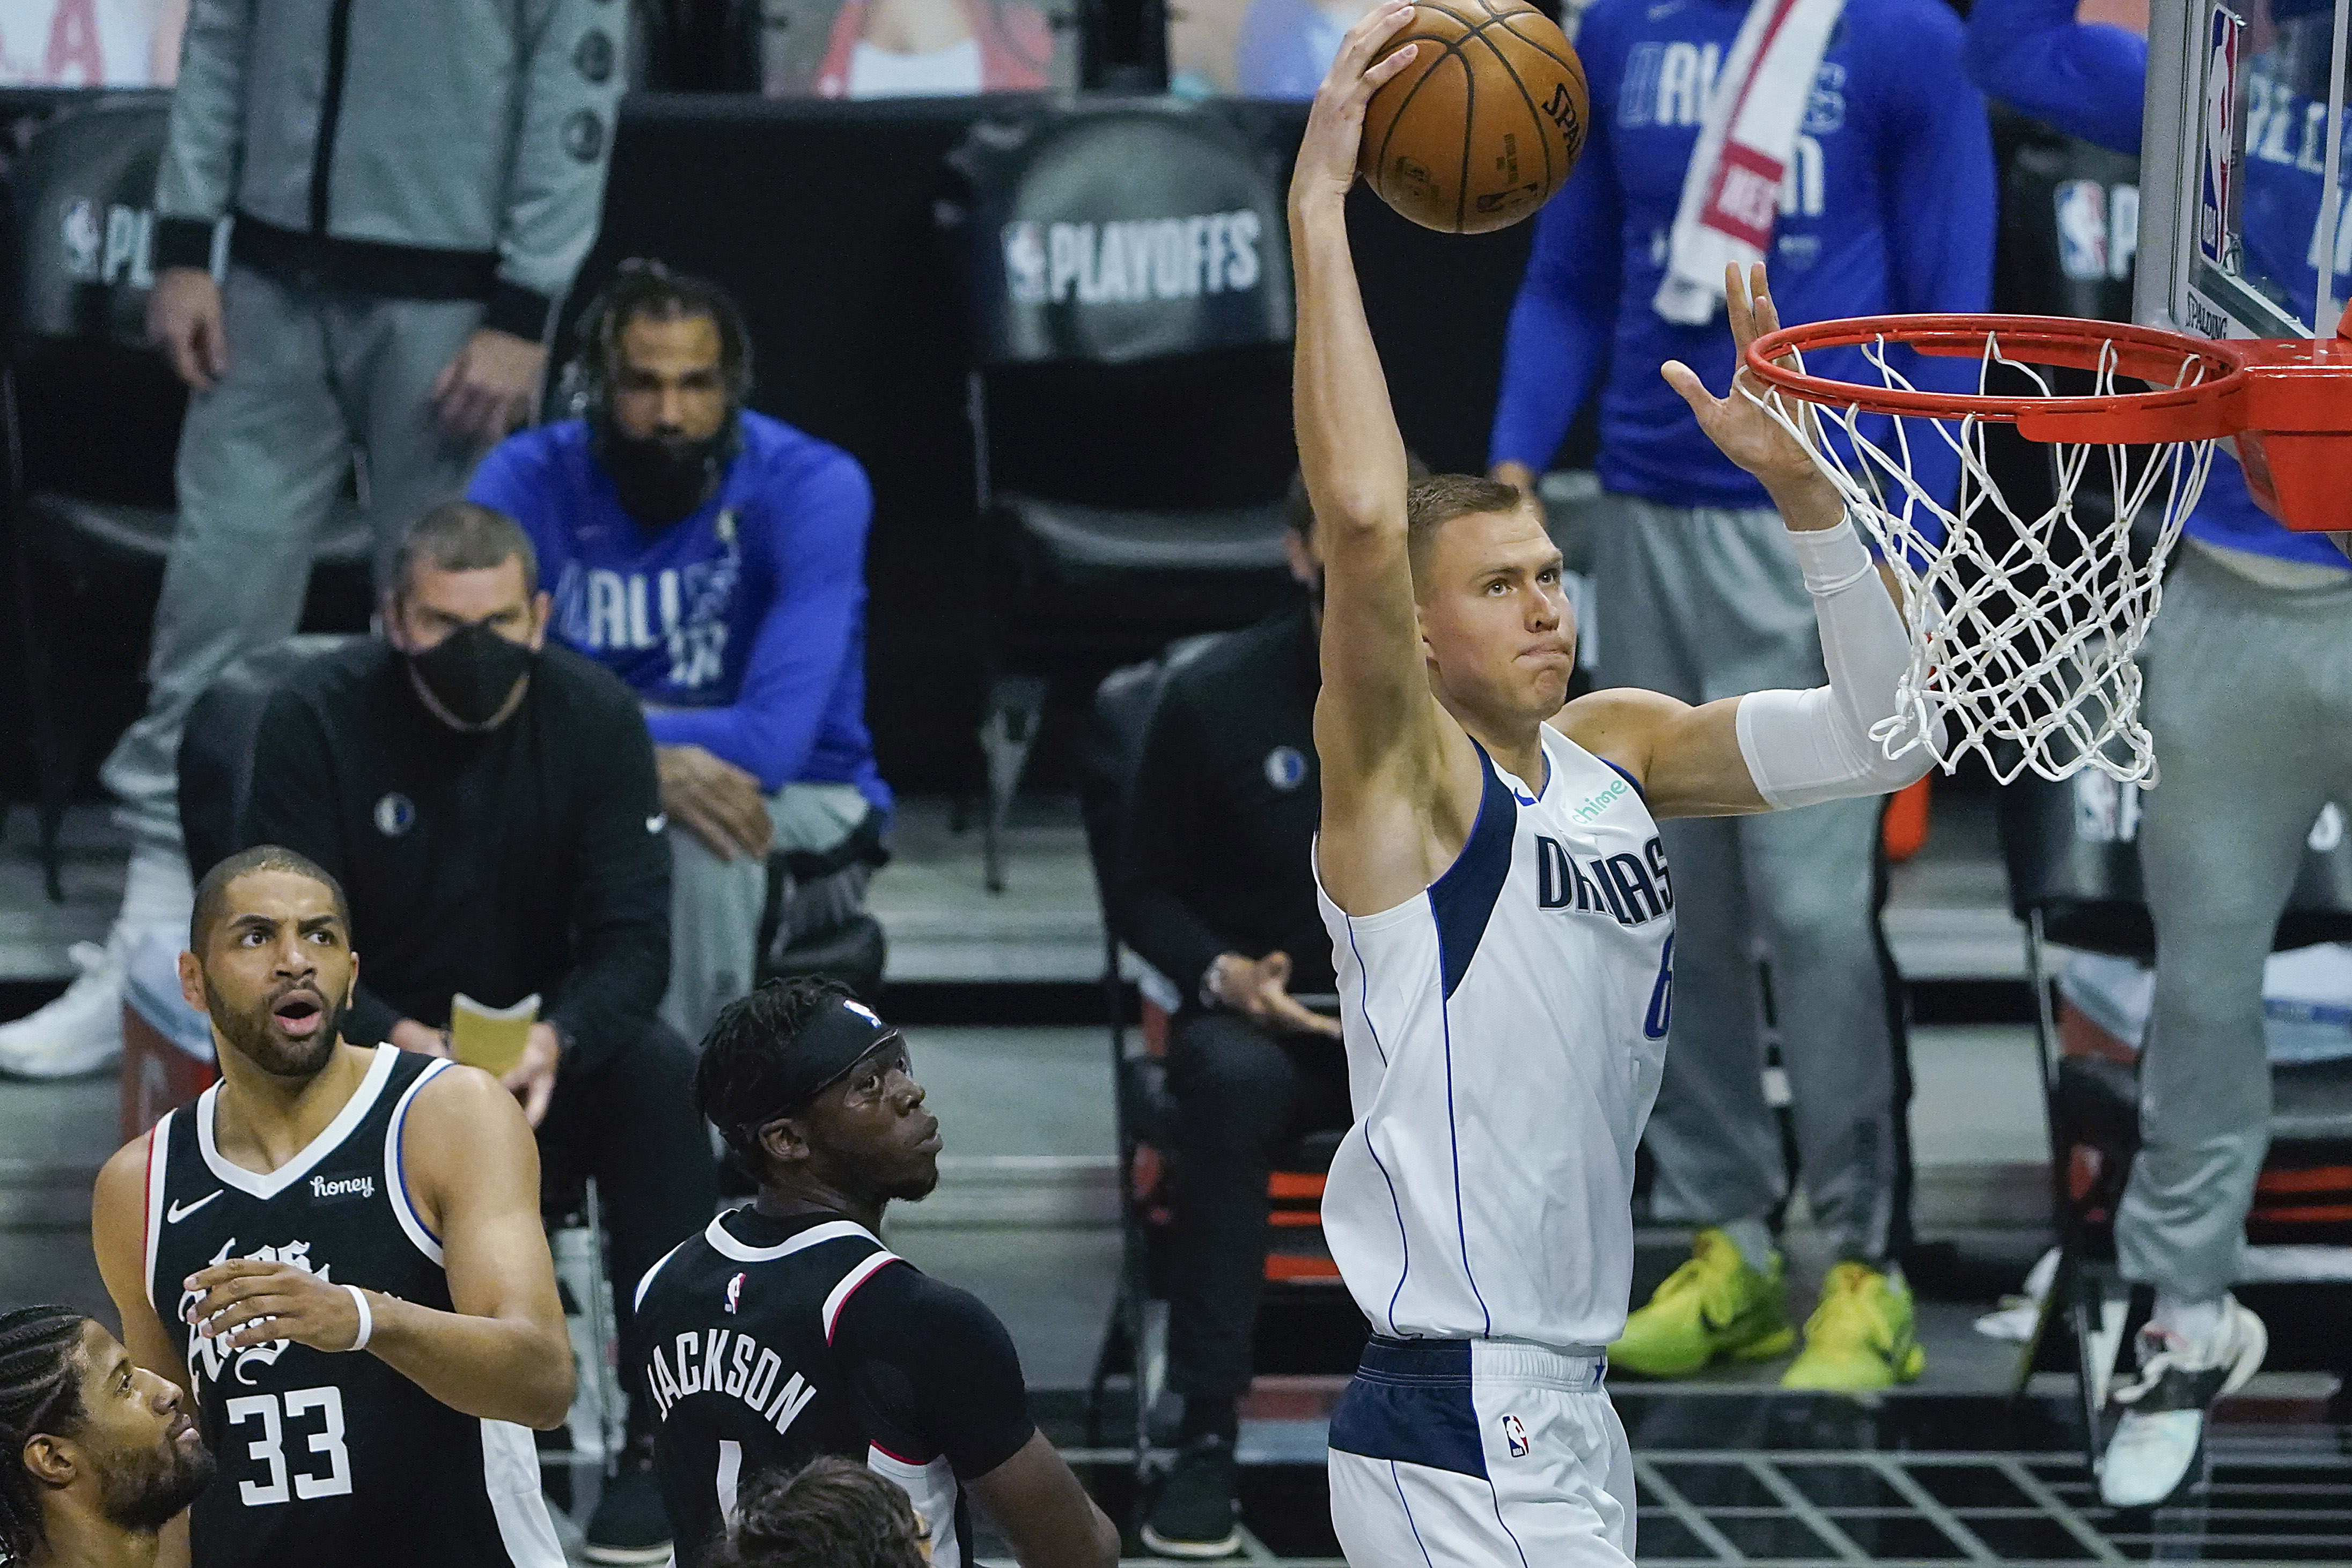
{"points": [[836, 1345], [1217, 895], [714, 559], [490, 806], [829, 1513]]}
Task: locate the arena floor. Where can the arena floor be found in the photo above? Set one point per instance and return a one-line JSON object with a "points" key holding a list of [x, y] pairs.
{"points": [[997, 993]]}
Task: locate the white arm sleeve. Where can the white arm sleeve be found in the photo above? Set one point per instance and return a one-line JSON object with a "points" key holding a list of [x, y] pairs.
{"points": [[1803, 747]]}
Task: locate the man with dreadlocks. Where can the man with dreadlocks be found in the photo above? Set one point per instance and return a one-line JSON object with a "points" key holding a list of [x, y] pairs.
{"points": [[97, 1453], [714, 559]]}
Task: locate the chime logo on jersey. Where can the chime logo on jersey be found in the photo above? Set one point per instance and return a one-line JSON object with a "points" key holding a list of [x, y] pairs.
{"points": [[207, 1356], [1515, 1437], [735, 1292]]}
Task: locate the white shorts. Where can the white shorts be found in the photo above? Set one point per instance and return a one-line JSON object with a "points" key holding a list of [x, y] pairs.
{"points": [[1450, 1453]]}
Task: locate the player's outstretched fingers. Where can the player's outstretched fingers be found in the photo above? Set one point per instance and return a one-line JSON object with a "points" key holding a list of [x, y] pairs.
{"points": [[1373, 29], [257, 1321], [1685, 380]]}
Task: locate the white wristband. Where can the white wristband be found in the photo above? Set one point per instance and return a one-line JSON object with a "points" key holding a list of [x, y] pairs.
{"points": [[1832, 559], [367, 1321]]}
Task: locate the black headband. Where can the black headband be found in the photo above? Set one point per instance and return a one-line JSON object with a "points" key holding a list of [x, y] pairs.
{"points": [[824, 1049]]}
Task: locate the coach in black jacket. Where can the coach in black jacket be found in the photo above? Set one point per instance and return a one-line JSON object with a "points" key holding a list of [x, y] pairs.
{"points": [[1218, 896], [490, 805]]}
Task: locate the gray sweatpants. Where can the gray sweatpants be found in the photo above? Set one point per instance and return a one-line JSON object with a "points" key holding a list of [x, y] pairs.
{"points": [[1702, 603], [2249, 699], [312, 374], [716, 904]]}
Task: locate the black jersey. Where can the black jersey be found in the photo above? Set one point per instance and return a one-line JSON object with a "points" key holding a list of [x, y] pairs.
{"points": [[328, 1458], [772, 1342]]}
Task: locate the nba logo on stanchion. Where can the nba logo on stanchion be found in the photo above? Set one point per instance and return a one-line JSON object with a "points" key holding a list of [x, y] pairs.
{"points": [[1515, 1437], [2217, 180]]}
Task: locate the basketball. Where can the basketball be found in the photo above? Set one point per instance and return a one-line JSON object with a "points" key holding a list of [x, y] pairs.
{"points": [[1483, 127]]}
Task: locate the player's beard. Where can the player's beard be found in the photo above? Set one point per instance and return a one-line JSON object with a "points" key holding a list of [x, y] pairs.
{"points": [[663, 478], [251, 1033], [143, 1491]]}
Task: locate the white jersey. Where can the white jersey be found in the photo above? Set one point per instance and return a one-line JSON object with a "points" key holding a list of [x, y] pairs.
{"points": [[1506, 1029]]}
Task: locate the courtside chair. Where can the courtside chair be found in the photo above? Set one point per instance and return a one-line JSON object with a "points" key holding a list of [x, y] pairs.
{"points": [[1129, 370], [1136, 1338], [2073, 858], [90, 417]]}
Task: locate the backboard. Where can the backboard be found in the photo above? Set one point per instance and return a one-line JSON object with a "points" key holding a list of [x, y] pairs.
{"points": [[2241, 169]]}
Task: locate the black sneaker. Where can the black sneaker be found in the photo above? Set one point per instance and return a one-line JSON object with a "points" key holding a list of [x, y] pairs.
{"points": [[1196, 1515], [630, 1525]]}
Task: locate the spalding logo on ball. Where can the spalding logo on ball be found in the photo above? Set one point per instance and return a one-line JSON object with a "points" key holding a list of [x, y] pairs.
{"points": [[1483, 127]]}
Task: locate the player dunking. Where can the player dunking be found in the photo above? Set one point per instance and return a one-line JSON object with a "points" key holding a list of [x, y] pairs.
{"points": [[336, 1250], [1503, 918]]}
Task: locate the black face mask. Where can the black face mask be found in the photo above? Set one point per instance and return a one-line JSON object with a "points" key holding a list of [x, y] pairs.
{"points": [[471, 672], [663, 478]]}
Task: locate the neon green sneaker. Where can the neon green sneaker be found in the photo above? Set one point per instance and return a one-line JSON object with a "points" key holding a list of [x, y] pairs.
{"points": [[1860, 1337], [1715, 1306]]}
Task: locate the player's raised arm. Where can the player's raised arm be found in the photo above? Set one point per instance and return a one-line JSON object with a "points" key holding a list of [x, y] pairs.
{"points": [[1766, 750], [1379, 731]]}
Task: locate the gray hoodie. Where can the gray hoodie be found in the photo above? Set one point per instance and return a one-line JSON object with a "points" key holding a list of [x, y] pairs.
{"points": [[411, 148]]}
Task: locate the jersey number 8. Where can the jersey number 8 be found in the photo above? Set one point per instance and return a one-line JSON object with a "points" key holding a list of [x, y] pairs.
{"points": [[270, 1447]]}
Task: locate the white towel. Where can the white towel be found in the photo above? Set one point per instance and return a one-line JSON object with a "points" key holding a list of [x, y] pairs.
{"points": [[1731, 193]]}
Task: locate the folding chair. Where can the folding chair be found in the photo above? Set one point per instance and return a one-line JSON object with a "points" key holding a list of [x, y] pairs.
{"points": [[1129, 395]]}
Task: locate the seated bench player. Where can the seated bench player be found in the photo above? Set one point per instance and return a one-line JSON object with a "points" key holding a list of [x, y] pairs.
{"points": [[714, 559]]}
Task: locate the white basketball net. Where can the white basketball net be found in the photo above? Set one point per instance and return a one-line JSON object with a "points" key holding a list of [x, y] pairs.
{"points": [[2022, 628]]}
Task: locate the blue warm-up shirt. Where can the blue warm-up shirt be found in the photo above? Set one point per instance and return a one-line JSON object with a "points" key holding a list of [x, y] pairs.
{"points": [[742, 626], [2088, 79], [1888, 206]]}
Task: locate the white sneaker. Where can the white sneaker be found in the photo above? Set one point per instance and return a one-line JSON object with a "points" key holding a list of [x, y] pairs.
{"points": [[81, 1032], [2162, 1409]]}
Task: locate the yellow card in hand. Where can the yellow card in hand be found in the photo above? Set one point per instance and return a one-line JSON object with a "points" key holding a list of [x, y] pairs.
{"points": [[491, 1039]]}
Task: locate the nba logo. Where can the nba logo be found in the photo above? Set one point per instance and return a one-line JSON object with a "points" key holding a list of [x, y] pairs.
{"points": [[1024, 263], [1515, 1437], [734, 1292], [78, 229], [2217, 180], [2106, 812], [2082, 230]]}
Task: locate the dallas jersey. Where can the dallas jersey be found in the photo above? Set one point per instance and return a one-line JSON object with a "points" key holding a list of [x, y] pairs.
{"points": [[743, 1373], [1506, 1029], [327, 1458]]}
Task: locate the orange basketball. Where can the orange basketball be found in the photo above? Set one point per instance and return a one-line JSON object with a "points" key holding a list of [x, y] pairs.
{"points": [[1483, 127]]}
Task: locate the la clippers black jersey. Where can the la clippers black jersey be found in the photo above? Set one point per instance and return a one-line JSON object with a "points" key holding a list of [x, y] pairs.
{"points": [[327, 1458], [759, 1361]]}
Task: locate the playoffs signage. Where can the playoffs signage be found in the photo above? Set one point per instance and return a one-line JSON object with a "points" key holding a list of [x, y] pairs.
{"points": [[1074, 256], [1163, 258]]}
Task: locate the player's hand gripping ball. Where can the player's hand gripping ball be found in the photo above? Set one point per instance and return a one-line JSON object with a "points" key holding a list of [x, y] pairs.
{"points": [[1483, 127]]}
